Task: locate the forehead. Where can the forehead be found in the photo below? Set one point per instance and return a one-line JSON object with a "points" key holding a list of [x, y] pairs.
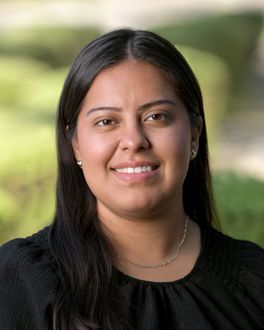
{"points": [[130, 66], [131, 78]]}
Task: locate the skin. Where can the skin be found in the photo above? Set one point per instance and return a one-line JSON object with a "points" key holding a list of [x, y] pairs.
{"points": [[133, 117]]}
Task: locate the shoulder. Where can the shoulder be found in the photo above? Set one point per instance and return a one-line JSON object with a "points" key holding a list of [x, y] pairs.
{"points": [[28, 280], [26, 255], [236, 263], [243, 254]]}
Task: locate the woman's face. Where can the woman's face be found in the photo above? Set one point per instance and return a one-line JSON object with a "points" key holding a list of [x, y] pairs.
{"points": [[134, 138]]}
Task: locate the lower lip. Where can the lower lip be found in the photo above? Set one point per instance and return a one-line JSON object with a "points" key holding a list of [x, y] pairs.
{"points": [[136, 177]]}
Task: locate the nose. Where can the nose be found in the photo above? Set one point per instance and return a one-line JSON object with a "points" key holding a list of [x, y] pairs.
{"points": [[134, 138]]}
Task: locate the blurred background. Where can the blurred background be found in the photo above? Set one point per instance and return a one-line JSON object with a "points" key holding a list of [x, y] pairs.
{"points": [[222, 40]]}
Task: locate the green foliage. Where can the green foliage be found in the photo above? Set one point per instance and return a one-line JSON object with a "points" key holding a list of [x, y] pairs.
{"points": [[29, 87], [56, 46], [27, 175], [214, 78], [231, 37], [15, 73], [29, 93], [241, 207], [27, 163]]}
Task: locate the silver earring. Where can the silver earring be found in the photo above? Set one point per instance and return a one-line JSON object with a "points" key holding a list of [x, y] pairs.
{"points": [[79, 162], [193, 154]]}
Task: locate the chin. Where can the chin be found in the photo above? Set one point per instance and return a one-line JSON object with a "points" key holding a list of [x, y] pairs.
{"points": [[139, 209]]}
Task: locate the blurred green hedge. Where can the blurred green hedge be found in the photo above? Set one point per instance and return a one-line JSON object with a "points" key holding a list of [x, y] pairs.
{"points": [[33, 66], [27, 165], [28, 99], [54, 45], [215, 81], [241, 207], [232, 37]]}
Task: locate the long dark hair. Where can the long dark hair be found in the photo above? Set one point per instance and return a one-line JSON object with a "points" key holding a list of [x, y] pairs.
{"points": [[88, 295]]}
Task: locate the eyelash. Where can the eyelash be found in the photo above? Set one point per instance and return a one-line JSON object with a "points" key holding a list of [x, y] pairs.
{"points": [[101, 123], [165, 116], [162, 117]]}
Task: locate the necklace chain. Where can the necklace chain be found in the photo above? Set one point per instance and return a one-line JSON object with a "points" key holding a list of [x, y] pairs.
{"points": [[164, 263]]}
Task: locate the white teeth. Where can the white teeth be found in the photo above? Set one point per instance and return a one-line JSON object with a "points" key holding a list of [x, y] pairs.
{"points": [[132, 170]]}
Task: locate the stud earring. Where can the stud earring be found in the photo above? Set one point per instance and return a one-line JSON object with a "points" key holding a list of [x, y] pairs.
{"points": [[193, 154], [79, 162]]}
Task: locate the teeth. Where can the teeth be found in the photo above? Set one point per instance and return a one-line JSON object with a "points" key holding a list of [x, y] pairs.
{"points": [[132, 170]]}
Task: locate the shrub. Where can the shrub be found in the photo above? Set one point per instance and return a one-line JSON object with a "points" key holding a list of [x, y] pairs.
{"points": [[214, 79], [15, 73], [29, 94], [241, 207], [27, 165], [231, 37], [27, 175], [56, 46]]}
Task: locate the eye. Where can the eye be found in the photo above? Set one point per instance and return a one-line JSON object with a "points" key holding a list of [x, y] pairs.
{"points": [[105, 122], [158, 116]]}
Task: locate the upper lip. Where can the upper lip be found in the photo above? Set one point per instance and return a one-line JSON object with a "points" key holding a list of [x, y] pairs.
{"points": [[135, 164]]}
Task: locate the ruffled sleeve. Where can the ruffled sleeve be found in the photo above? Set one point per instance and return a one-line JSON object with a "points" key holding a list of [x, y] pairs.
{"points": [[251, 278], [28, 284], [235, 272]]}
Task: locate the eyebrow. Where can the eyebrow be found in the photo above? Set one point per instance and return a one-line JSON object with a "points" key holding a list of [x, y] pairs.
{"points": [[141, 108], [158, 102]]}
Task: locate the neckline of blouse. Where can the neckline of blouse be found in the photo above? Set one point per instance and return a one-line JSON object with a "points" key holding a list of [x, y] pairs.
{"points": [[124, 278]]}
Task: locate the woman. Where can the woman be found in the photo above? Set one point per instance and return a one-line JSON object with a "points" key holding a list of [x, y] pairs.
{"points": [[132, 245]]}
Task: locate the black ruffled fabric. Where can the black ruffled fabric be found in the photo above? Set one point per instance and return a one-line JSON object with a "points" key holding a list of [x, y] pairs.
{"points": [[225, 289], [28, 284]]}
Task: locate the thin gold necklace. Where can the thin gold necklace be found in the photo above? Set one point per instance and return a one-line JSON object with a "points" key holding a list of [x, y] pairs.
{"points": [[164, 263]]}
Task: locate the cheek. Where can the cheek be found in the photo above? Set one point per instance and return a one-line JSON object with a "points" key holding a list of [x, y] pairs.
{"points": [[95, 154], [95, 150], [177, 155], [176, 144]]}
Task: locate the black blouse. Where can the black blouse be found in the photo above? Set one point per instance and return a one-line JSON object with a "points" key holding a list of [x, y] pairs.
{"points": [[225, 289]]}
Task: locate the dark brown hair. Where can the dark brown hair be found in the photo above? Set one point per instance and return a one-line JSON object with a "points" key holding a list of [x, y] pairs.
{"points": [[86, 299]]}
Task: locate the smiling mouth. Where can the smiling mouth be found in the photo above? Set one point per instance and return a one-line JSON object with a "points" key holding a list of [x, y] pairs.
{"points": [[138, 169]]}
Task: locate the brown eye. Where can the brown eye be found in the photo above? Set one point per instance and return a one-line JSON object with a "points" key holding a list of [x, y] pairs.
{"points": [[159, 116], [105, 122]]}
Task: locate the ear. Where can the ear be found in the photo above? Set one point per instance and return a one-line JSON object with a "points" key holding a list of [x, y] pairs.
{"points": [[75, 146], [196, 132]]}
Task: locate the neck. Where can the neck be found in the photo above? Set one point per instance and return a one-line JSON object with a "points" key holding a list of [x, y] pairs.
{"points": [[145, 241]]}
